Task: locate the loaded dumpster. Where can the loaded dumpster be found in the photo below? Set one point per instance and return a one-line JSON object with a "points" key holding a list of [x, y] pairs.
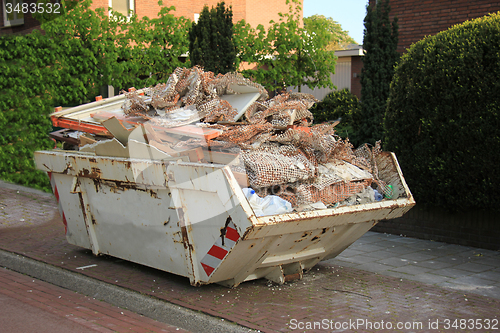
{"points": [[209, 196]]}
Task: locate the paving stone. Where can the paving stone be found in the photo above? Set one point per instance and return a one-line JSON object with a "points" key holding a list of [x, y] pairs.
{"points": [[473, 267], [451, 272], [491, 275], [490, 260], [473, 280], [394, 262], [399, 250], [488, 291], [359, 259], [429, 278], [418, 256], [434, 264], [374, 267], [382, 254], [411, 269], [350, 253], [366, 247]]}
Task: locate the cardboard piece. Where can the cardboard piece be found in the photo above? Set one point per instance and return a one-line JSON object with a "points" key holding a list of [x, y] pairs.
{"points": [[115, 127], [246, 96]]}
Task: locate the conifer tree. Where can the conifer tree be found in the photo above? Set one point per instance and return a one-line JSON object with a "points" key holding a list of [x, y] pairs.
{"points": [[211, 40], [380, 42]]}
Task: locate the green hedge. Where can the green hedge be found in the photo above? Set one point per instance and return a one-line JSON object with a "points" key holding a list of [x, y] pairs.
{"points": [[67, 64], [339, 104], [24, 104], [443, 117]]}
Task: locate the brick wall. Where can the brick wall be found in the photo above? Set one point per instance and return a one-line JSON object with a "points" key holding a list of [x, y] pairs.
{"points": [[254, 12], [473, 228], [418, 19]]}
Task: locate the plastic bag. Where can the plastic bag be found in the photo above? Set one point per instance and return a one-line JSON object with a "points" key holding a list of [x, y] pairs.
{"points": [[270, 205]]}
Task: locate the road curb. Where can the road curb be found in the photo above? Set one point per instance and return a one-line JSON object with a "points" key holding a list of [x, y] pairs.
{"points": [[148, 306]]}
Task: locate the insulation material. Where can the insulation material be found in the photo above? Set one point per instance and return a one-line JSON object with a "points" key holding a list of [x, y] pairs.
{"points": [[192, 87], [275, 147], [277, 165]]}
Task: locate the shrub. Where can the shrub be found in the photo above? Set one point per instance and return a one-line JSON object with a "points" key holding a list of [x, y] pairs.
{"points": [[24, 106], [78, 53], [339, 104], [443, 117]]}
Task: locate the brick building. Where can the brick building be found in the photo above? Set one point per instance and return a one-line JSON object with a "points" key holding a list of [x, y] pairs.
{"points": [[418, 19], [252, 11]]}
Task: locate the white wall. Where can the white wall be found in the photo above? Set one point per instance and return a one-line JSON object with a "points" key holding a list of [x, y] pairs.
{"points": [[341, 79]]}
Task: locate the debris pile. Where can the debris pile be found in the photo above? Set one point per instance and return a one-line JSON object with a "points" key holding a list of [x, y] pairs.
{"points": [[271, 145]]}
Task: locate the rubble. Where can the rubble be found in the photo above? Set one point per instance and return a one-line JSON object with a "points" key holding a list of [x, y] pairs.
{"points": [[271, 145]]}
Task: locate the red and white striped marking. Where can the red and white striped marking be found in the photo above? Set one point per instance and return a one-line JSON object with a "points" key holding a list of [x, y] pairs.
{"points": [[218, 251], [56, 194]]}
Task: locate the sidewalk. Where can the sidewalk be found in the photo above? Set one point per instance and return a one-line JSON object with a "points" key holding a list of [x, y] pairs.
{"points": [[31, 305], [462, 268], [414, 283]]}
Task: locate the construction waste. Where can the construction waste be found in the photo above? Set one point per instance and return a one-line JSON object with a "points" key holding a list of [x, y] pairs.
{"points": [[270, 144]]}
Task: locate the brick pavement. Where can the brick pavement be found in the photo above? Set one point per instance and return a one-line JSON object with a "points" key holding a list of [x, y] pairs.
{"points": [[327, 292], [48, 308]]}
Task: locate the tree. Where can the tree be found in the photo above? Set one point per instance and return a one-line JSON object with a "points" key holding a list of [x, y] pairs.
{"points": [[287, 54], [380, 43], [211, 40], [339, 39]]}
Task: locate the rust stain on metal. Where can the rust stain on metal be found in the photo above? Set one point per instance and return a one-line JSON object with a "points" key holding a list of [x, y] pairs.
{"points": [[292, 277], [82, 205], [184, 232], [68, 167], [93, 173], [94, 222], [97, 184], [224, 230], [117, 185]]}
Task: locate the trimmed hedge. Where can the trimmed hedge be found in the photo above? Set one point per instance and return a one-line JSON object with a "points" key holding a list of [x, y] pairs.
{"points": [[443, 118], [339, 104]]}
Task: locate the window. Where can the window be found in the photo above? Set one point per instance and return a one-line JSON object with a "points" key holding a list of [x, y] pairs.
{"points": [[12, 12], [122, 6]]}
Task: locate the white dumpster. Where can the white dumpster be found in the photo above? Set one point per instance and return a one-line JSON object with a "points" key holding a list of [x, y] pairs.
{"points": [[193, 219]]}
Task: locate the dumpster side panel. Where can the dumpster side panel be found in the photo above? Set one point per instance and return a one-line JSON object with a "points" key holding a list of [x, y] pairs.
{"points": [[76, 231], [206, 195], [138, 171], [287, 255], [135, 223]]}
